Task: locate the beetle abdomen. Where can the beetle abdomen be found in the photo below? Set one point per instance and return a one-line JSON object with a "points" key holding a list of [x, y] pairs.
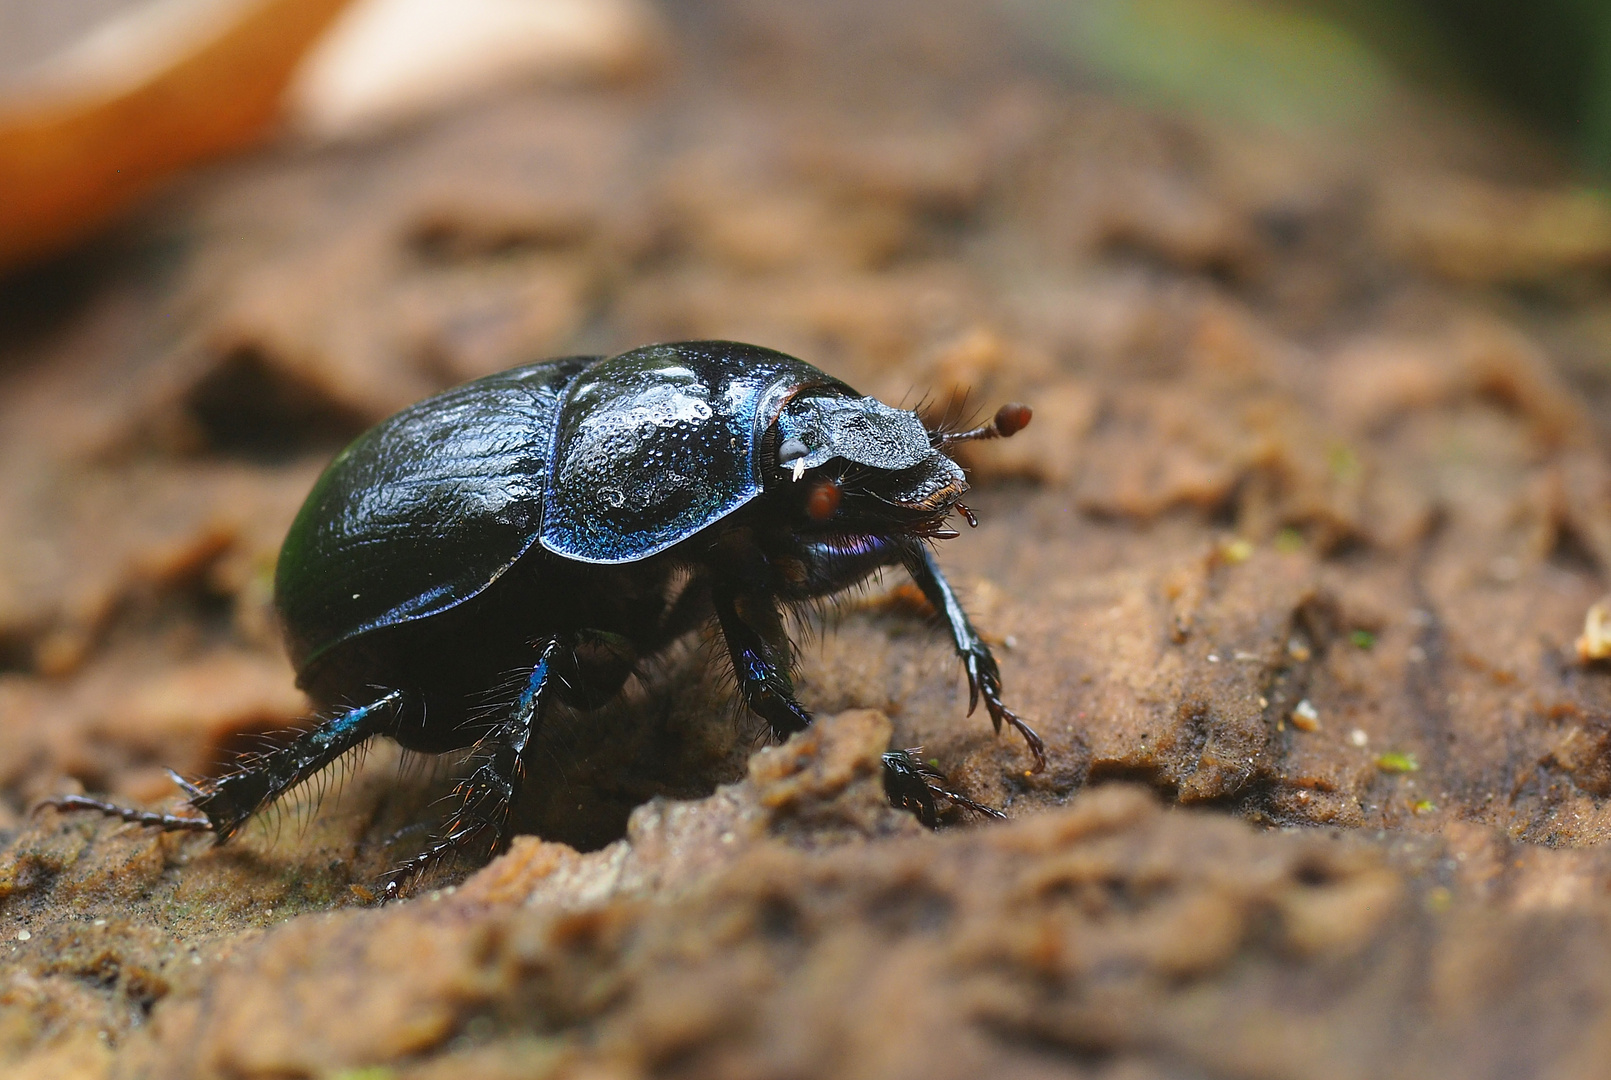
{"points": [[423, 511]]}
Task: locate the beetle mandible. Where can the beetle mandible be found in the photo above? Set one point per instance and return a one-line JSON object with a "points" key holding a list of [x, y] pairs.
{"points": [[571, 517]]}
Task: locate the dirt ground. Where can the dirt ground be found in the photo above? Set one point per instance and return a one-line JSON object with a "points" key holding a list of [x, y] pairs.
{"points": [[1288, 571]]}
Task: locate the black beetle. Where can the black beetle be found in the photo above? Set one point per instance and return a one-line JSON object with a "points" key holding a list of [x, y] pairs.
{"points": [[568, 518]]}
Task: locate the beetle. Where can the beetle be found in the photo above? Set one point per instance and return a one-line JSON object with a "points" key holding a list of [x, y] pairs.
{"points": [[569, 518]]}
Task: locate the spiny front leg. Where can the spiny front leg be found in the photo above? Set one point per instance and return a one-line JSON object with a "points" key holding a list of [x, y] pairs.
{"points": [[487, 796], [761, 656], [230, 800], [984, 677], [760, 660]]}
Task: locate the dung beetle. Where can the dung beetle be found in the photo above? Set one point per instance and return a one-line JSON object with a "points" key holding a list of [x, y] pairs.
{"points": [[569, 518]]}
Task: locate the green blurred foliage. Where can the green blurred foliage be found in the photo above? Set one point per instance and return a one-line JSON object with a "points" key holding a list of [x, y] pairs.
{"points": [[1252, 59], [1297, 63], [1549, 58]]}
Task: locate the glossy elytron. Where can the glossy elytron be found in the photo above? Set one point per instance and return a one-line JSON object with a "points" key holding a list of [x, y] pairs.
{"points": [[570, 518]]}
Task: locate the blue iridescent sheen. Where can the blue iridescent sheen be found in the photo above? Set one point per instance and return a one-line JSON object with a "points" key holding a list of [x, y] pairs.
{"points": [[656, 444]]}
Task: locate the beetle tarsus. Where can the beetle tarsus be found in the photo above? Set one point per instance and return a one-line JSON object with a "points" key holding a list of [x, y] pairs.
{"points": [[984, 676], [999, 714], [912, 784], [488, 794], [70, 804], [397, 880], [228, 802]]}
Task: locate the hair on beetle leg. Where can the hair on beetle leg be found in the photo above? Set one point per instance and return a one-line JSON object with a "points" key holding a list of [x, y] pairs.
{"points": [[808, 621], [311, 798], [411, 765], [270, 823], [331, 782]]}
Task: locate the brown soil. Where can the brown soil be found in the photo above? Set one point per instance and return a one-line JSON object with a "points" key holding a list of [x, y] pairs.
{"points": [[1288, 571]]}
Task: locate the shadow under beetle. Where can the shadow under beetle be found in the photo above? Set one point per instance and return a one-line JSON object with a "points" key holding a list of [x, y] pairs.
{"points": [[567, 518]]}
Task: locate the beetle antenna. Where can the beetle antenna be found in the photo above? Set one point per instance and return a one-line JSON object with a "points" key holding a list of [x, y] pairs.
{"points": [[944, 422], [1009, 420]]}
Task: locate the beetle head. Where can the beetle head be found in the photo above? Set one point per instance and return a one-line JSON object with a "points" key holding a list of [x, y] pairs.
{"points": [[866, 464]]}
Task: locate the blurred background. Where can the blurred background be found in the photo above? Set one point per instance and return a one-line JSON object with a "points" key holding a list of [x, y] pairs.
{"points": [[102, 99]]}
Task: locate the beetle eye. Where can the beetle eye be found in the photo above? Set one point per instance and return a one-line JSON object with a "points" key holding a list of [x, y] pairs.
{"points": [[823, 500], [791, 450]]}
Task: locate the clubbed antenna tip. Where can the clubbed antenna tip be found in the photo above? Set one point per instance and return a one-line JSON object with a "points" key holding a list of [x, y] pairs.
{"points": [[1009, 420]]}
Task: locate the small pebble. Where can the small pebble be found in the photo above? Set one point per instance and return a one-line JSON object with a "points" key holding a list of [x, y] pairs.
{"points": [[1358, 738], [1595, 642], [1305, 717], [23, 935]]}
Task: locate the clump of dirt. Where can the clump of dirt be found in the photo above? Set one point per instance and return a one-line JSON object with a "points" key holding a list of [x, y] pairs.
{"points": [[1288, 570]]}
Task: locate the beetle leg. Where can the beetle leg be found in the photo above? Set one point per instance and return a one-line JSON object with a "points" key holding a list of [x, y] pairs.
{"points": [[761, 656], [689, 610], [913, 785], [489, 793], [984, 677], [230, 800], [826, 567], [165, 822]]}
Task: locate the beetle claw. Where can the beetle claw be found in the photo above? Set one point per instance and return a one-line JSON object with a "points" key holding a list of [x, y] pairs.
{"points": [[999, 713], [984, 681]]}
